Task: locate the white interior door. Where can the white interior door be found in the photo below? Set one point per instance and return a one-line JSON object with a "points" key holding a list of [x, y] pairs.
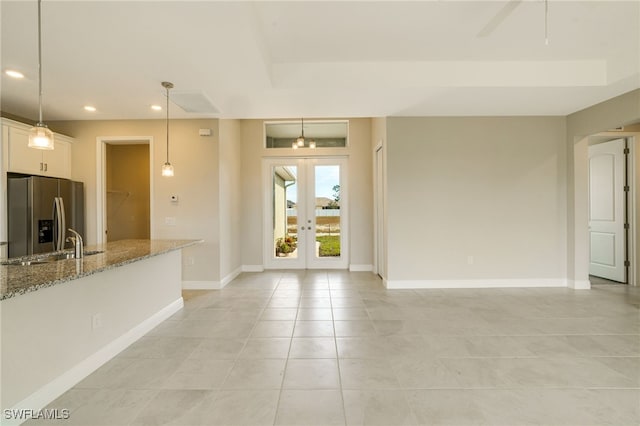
{"points": [[607, 210], [306, 221]]}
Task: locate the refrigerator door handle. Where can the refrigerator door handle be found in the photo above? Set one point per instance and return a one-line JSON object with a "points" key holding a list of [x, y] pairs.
{"points": [[55, 224], [63, 224], [58, 224]]}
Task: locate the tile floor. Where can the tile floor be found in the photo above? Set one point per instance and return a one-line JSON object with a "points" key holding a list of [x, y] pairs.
{"points": [[598, 280], [336, 348]]}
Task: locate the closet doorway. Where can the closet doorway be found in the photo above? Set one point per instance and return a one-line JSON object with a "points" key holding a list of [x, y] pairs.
{"points": [[124, 184], [127, 196]]}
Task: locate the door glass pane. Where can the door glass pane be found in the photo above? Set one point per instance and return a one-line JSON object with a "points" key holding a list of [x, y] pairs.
{"points": [[327, 211], [285, 212]]}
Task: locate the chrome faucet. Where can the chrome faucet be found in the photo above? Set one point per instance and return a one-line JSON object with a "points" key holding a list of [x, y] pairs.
{"points": [[78, 246]]}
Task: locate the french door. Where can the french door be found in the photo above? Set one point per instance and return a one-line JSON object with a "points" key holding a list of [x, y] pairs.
{"points": [[305, 205]]}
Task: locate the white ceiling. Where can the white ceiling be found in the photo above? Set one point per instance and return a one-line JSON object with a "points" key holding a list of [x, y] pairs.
{"points": [[319, 59]]}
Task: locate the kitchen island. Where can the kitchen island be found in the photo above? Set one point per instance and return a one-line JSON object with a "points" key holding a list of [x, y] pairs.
{"points": [[16, 278], [61, 320]]}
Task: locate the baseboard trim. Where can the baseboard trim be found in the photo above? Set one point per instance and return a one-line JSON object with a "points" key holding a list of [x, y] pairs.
{"points": [[579, 284], [201, 285], [252, 268], [360, 268], [498, 283], [52, 390], [230, 277], [211, 285]]}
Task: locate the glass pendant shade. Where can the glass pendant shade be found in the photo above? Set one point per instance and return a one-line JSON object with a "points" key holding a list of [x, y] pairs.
{"points": [[300, 141], [167, 169], [40, 137], [312, 144]]}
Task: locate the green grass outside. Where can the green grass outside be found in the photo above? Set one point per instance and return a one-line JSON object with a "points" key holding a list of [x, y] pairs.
{"points": [[329, 245]]}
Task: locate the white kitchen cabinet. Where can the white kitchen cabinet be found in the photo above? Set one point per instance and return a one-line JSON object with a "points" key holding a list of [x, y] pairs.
{"points": [[22, 159]]}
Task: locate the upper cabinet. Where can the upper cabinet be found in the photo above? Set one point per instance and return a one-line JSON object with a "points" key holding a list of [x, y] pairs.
{"points": [[22, 159]]}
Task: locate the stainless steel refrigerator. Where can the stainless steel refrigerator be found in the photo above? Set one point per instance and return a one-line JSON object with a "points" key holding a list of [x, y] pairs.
{"points": [[40, 210]]}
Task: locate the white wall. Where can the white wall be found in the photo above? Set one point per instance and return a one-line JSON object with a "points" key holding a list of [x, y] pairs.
{"points": [[196, 163], [379, 137], [251, 233], [476, 199], [450, 161], [230, 191], [360, 190]]}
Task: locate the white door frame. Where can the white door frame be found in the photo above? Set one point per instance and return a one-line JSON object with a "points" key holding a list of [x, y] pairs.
{"points": [[632, 209], [306, 210], [101, 179], [378, 211]]}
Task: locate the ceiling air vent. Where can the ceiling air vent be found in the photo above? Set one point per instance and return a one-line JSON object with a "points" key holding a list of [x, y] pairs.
{"points": [[193, 101]]}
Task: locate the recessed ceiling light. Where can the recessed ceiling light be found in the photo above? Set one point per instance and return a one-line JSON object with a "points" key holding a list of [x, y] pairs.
{"points": [[90, 108], [156, 107], [14, 74]]}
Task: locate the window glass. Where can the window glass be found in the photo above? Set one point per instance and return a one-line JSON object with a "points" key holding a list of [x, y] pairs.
{"points": [[325, 134]]}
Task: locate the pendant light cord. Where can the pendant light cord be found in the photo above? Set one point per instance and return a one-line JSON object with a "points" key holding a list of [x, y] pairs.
{"points": [[167, 87], [39, 62], [546, 21], [302, 127]]}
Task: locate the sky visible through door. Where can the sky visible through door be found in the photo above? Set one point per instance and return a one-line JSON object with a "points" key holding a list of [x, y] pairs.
{"points": [[326, 178]]}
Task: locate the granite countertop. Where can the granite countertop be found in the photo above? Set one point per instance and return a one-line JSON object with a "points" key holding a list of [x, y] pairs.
{"points": [[20, 279]]}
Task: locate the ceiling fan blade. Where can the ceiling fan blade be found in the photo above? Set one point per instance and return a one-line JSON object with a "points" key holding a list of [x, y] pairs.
{"points": [[502, 14]]}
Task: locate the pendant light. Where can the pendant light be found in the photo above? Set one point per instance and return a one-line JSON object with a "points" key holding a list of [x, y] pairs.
{"points": [[299, 143], [167, 168], [40, 137]]}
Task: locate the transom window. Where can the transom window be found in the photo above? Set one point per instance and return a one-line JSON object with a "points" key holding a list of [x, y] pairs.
{"points": [[317, 134]]}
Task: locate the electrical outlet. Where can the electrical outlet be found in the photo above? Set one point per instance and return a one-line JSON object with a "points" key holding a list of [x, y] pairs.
{"points": [[470, 260], [96, 321], [170, 221]]}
